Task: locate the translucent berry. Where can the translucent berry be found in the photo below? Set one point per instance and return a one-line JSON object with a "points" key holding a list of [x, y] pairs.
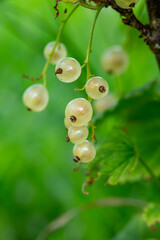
{"points": [[59, 53], [97, 88], [77, 135], [36, 97], [79, 111], [105, 103], [126, 4], [84, 152], [68, 70], [67, 123], [115, 60]]}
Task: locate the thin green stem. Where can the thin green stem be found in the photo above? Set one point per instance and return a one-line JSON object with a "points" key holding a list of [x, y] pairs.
{"points": [[87, 60], [86, 5], [147, 167], [102, 203], [56, 43]]}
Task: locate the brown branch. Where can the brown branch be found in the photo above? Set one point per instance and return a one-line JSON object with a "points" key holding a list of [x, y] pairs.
{"points": [[153, 8], [130, 19]]}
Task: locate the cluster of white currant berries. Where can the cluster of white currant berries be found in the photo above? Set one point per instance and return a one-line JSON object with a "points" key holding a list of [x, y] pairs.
{"points": [[78, 112]]}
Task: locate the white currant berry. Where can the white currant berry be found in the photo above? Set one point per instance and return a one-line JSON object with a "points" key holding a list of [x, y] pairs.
{"points": [[59, 53], [84, 152], [105, 103], [67, 123], [36, 97], [79, 111], [78, 135], [126, 4], [97, 88], [115, 60], [68, 70]]}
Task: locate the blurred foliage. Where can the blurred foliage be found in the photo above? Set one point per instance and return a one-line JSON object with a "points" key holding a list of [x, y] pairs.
{"points": [[36, 178], [134, 137], [151, 214]]}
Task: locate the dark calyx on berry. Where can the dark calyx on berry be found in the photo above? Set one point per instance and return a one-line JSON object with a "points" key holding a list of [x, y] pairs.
{"points": [[73, 119], [102, 89], [76, 159], [67, 138], [59, 71], [132, 5], [29, 109]]}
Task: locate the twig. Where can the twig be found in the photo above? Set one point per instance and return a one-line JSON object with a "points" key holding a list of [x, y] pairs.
{"points": [[153, 8]]}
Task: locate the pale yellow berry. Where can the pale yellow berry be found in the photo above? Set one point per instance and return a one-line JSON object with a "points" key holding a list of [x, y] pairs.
{"points": [[68, 70], [84, 152], [36, 97], [79, 111], [67, 123], [105, 103], [59, 52], [97, 88], [77, 135], [115, 60], [126, 4]]}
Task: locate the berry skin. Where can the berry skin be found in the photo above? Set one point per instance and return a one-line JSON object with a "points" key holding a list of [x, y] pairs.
{"points": [[126, 4], [84, 152], [79, 112], [115, 60], [36, 97], [67, 123], [78, 135], [68, 70], [97, 88], [59, 53], [105, 103]]}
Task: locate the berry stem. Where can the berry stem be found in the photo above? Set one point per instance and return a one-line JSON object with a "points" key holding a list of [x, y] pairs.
{"points": [[86, 5], [65, 218], [87, 60], [56, 43], [149, 170]]}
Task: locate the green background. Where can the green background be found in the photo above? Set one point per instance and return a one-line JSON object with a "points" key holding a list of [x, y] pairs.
{"points": [[37, 183]]}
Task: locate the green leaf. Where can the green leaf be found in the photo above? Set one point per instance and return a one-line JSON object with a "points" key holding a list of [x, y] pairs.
{"points": [[151, 214], [117, 156]]}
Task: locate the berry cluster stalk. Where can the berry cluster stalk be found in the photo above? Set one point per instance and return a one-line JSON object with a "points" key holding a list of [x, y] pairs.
{"points": [[56, 43], [87, 60]]}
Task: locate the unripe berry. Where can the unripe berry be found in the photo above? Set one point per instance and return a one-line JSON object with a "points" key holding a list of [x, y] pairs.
{"points": [[59, 53], [67, 123], [78, 135], [126, 4], [79, 111], [115, 60], [36, 97], [84, 152], [68, 70], [97, 88]]}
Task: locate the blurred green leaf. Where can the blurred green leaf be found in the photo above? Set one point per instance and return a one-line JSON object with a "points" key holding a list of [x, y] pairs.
{"points": [[151, 214]]}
